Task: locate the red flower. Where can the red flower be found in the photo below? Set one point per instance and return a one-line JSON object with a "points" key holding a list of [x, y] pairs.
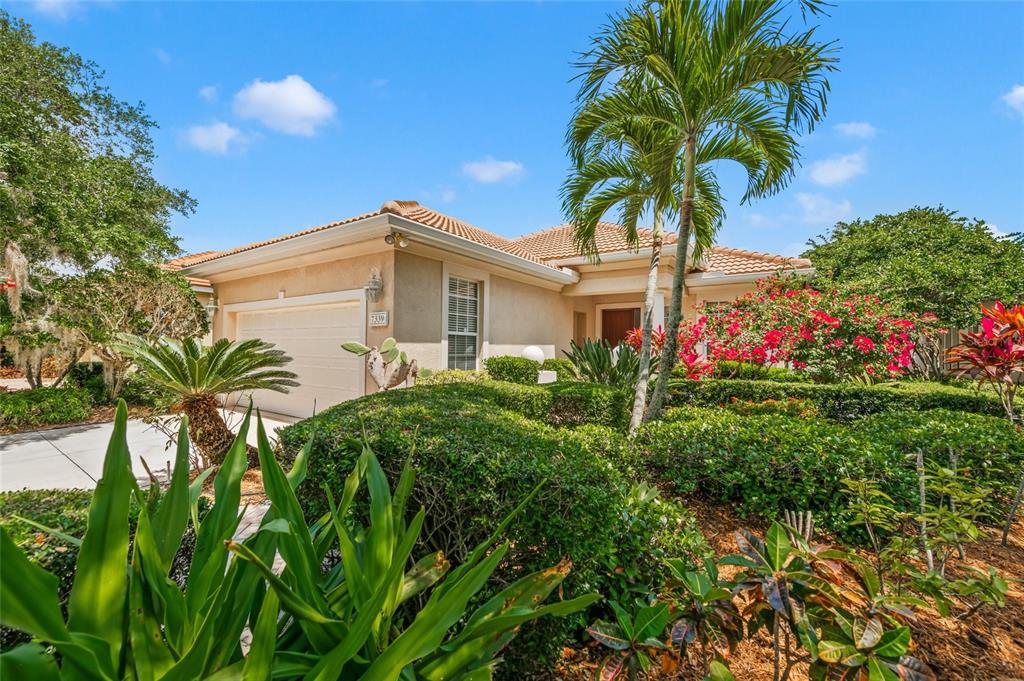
{"points": [[864, 344]]}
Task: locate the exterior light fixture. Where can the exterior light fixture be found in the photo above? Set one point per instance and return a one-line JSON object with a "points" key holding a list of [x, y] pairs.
{"points": [[374, 286], [396, 238], [211, 308]]}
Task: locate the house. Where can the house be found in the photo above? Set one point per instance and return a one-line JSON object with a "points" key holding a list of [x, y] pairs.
{"points": [[450, 293]]}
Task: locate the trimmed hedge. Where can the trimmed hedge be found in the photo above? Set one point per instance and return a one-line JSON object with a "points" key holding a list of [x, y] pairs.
{"points": [[764, 464], [563, 368], [752, 372], [841, 401], [475, 461], [43, 406], [66, 510], [512, 369], [448, 376]]}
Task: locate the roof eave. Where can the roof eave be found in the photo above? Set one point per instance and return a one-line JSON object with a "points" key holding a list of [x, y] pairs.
{"points": [[699, 279]]}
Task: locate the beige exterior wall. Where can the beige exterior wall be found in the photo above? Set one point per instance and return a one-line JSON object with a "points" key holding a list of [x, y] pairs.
{"points": [[418, 305], [523, 315]]}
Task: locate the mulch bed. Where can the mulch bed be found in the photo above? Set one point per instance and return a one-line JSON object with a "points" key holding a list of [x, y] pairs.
{"points": [[987, 647]]}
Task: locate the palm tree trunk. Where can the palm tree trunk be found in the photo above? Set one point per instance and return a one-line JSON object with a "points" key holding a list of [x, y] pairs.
{"points": [[640, 394], [671, 347], [207, 429]]}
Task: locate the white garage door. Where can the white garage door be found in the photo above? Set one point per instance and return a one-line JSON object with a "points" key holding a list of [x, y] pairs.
{"points": [[312, 337]]}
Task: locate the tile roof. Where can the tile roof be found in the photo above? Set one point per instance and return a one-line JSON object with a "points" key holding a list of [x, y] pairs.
{"points": [[556, 242], [175, 264], [411, 210]]}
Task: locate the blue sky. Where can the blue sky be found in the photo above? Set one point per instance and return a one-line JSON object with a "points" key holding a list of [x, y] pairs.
{"points": [[280, 116]]}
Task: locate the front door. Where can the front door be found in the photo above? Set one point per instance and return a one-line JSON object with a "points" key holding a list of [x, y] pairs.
{"points": [[615, 324]]}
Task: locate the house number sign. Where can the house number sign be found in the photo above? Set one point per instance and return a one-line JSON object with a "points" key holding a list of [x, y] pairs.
{"points": [[379, 318]]}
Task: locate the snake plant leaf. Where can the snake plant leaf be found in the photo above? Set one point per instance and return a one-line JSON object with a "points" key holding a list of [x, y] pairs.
{"points": [[170, 519], [264, 637], [148, 656], [210, 557], [380, 539], [358, 587], [100, 587]]}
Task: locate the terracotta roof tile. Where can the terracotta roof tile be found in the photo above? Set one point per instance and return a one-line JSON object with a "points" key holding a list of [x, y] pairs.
{"points": [[411, 210], [556, 242], [175, 264]]}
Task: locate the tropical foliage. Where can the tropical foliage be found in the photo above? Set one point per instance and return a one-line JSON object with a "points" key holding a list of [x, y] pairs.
{"points": [[195, 375], [367, 618], [596, 361], [388, 366]]}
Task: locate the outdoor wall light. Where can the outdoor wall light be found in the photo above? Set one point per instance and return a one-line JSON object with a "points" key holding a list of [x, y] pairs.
{"points": [[374, 286], [397, 238], [211, 307]]}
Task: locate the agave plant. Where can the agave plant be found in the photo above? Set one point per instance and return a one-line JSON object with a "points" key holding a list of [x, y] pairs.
{"points": [[596, 361], [127, 620], [196, 374]]}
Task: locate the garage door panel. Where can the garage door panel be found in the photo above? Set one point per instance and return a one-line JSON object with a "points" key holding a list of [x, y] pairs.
{"points": [[312, 337]]}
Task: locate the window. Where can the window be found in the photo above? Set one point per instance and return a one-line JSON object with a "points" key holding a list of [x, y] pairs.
{"points": [[463, 323]]}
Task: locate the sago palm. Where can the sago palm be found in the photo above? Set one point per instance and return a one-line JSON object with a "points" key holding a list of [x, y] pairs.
{"points": [[726, 81], [197, 374]]}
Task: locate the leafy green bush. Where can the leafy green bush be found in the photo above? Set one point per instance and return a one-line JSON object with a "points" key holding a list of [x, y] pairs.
{"points": [[752, 372], [475, 461], [762, 464], [43, 406], [512, 369], [446, 376], [842, 401], [89, 375], [574, 404], [790, 406], [563, 368]]}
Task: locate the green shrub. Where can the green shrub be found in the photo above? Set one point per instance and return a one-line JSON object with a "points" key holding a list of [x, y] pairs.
{"points": [[841, 401], [563, 368], [447, 376], [790, 406], [752, 372], [512, 369], [89, 375], [989, 448], [43, 406], [65, 510], [575, 404], [475, 461], [762, 464]]}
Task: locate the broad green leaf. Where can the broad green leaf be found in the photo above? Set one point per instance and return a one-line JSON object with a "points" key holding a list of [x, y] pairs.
{"points": [[29, 661], [651, 621], [28, 594], [355, 348], [170, 519], [388, 345], [719, 672], [777, 545], [893, 643], [609, 635], [424, 574], [100, 589], [259, 661], [878, 671], [867, 633]]}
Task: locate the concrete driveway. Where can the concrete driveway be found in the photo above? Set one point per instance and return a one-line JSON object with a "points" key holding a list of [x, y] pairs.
{"points": [[72, 457]]}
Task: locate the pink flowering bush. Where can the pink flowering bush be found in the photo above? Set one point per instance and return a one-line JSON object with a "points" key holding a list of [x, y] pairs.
{"points": [[830, 336], [690, 337]]}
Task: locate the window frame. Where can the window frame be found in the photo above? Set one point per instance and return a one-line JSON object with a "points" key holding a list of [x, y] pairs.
{"points": [[482, 280]]}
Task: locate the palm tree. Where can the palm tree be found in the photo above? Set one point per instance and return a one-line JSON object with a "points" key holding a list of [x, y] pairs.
{"points": [[196, 374], [619, 167], [727, 82]]}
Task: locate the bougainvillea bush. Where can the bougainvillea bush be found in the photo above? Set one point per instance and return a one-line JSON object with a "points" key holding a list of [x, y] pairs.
{"points": [[830, 336]]}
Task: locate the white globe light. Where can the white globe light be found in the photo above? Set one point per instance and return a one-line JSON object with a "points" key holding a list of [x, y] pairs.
{"points": [[533, 352]]}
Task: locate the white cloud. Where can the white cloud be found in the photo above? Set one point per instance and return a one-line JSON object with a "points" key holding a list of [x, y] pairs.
{"points": [[448, 195], [290, 105], [489, 170], [57, 9], [209, 93], [821, 210], [838, 169], [1015, 98], [163, 55], [996, 232], [215, 138], [859, 129]]}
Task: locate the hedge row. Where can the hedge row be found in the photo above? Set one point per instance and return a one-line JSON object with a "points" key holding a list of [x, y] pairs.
{"points": [[764, 464], [43, 407], [479, 449], [841, 401], [512, 369]]}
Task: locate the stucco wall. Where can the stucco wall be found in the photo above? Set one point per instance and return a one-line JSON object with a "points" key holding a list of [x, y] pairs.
{"points": [[524, 315], [417, 315]]}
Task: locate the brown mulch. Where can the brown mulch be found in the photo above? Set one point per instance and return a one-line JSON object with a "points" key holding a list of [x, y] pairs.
{"points": [[101, 414], [252, 486], [987, 647]]}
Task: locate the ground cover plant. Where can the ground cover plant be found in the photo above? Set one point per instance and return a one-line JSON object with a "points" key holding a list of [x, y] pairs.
{"points": [[126, 620], [43, 407]]}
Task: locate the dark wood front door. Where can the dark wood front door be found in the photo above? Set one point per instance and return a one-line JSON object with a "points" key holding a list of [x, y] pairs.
{"points": [[615, 324]]}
